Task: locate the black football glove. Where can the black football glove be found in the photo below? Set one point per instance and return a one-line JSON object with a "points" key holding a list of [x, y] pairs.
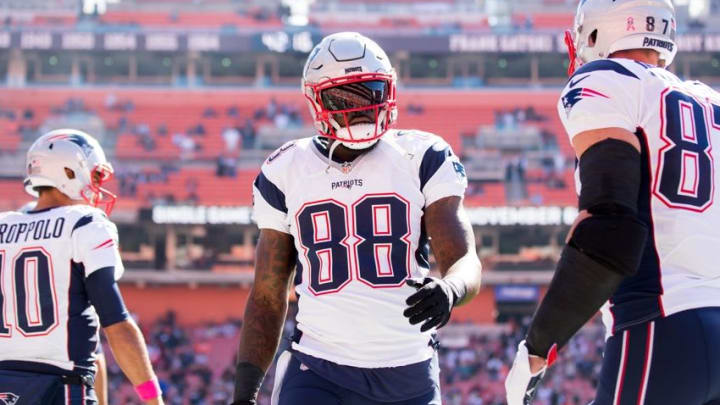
{"points": [[432, 303]]}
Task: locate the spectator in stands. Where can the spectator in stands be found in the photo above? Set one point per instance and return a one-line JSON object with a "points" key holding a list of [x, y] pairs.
{"points": [[191, 188], [127, 184], [232, 111], [122, 124], [162, 129], [144, 138], [9, 114], [209, 113], [181, 357], [231, 136], [197, 130], [226, 166], [415, 109], [110, 101], [281, 120], [185, 143], [271, 109], [142, 129], [248, 134], [70, 105]]}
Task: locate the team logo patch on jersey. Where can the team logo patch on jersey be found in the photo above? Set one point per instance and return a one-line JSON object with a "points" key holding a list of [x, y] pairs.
{"points": [[573, 96], [8, 398]]}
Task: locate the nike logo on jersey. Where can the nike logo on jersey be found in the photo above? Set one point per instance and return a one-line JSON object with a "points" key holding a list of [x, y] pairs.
{"points": [[574, 83], [573, 96]]}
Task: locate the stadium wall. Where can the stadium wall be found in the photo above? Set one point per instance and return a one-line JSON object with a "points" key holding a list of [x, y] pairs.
{"points": [[205, 304]]}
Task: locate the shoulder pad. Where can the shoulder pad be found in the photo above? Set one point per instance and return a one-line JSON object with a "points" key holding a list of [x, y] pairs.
{"points": [[706, 90], [279, 163], [280, 151], [623, 67], [415, 140], [5, 215], [83, 209]]}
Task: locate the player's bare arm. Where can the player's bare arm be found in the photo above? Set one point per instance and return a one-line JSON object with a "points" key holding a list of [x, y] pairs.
{"points": [[585, 140], [128, 347], [453, 244], [101, 388], [265, 312]]}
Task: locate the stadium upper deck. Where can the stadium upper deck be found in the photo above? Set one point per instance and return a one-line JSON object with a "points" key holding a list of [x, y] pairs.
{"points": [[220, 137]]}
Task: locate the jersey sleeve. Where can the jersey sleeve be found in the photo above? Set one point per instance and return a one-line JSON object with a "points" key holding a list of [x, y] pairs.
{"points": [[602, 94], [441, 173], [95, 245], [269, 208]]}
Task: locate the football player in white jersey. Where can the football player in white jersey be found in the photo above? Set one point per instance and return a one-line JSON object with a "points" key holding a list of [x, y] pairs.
{"points": [[59, 263], [352, 210], [646, 242]]}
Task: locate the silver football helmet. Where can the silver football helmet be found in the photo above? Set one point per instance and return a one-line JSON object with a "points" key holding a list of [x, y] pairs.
{"points": [[349, 85], [61, 149], [606, 26]]}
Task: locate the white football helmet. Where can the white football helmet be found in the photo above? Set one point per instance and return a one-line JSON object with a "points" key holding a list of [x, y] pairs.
{"points": [[61, 149], [349, 85], [606, 26]]}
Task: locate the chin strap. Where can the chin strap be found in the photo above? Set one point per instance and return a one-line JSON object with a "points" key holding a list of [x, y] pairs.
{"points": [[331, 150], [572, 52]]}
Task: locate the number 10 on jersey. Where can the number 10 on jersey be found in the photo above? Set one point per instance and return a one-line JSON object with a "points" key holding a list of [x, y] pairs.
{"points": [[367, 241]]}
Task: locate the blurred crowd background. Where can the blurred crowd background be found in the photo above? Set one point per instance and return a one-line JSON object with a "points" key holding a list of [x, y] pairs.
{"points": [[188, 97], [195, 364]]}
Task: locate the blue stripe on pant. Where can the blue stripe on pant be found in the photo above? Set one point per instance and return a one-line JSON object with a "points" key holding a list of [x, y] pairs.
{"points": [[669, 361], [302, 386], [78, 395]]}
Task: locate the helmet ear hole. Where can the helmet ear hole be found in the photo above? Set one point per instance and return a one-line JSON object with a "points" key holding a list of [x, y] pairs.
{"points": [[592, 39], [69, 173]]}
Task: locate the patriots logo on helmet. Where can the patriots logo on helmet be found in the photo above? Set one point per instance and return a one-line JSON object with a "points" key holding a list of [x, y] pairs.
{"points": [[573, 96], [8, 398], [77, 140]]}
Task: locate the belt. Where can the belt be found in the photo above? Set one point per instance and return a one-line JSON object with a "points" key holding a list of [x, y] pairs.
{"points": [[78, 380]]}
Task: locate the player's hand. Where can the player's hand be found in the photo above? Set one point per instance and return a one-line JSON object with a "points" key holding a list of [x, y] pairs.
{"points": [[525, 375], [432, 303]]}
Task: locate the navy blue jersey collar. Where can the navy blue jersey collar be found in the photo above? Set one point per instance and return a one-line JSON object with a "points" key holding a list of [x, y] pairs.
{"points": [[43, 210]]}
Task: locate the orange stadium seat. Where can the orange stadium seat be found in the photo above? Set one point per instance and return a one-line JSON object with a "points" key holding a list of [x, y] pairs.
{"points": [[448, 113]]}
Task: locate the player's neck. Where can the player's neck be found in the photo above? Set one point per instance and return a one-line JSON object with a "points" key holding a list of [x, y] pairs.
{"points": [[647, 56], [343, 154], [346, 154], [52, 199]]}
